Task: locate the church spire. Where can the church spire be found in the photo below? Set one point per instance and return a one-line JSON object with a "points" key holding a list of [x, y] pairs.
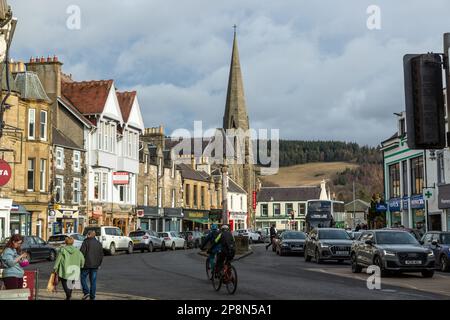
{"points": [[235, 109]]}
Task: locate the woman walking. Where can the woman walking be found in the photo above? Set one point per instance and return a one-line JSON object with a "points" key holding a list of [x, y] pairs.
{"points": [[13, 260], [68, 264]]}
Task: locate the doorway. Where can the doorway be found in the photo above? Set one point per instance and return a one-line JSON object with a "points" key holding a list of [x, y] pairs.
{"points": [[435, 222]]}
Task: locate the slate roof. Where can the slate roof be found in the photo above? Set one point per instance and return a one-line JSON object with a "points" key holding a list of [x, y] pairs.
{"points": [[30, 87], [188, 173], [126, 100], [234, 187], [61, 139], [88, 96], [288, 194], [69, 106]]}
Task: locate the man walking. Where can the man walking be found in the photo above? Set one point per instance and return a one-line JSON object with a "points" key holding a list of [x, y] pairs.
{"points": [[273, 234], [93, 254]]}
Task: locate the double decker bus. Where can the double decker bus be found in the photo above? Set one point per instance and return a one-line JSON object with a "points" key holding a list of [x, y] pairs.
{"points": [[324, 214]]}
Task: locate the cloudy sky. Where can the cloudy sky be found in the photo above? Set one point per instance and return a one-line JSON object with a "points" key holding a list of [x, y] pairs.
{"points": [[313, 69]]}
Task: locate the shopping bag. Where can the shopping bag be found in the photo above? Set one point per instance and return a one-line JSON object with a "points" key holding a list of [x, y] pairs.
{"points": [[52, 282]]}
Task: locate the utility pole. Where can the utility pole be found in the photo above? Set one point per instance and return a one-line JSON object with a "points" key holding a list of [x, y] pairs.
{"points": [[225, 193]]}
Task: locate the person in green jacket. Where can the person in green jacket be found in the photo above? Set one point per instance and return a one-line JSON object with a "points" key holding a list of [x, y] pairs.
{"points": [[68, 264]]}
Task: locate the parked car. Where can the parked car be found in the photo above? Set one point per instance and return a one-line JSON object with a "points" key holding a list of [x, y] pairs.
{"points": [[416, 233], [354, 235], [193, 238], [146, 240], [252, 236], [112, 239], [58, 240], [439, 242], [328, 244], [36, 248], [276, 239], [173, 240], [291, 242], [392, 250]]}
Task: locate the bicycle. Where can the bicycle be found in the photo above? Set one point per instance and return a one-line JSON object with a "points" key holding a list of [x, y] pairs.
{"points": [[227, 276], [208, 266]]}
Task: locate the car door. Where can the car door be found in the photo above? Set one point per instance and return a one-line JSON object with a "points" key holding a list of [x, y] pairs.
{"points": [[368, 251], [122, 239], [111, 237], [154, 238]]}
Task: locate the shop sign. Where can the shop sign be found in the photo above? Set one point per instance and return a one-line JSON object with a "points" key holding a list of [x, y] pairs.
{"points": [[5, 172], [381, 207], [417, 202], [196, 215], [394, 205], [6, 204], [140, 213], [97, 211], [120, 178], [444, 196], [254, 200]]}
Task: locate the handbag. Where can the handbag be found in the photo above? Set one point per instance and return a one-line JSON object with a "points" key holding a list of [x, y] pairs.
{"points": [[52, 282]]}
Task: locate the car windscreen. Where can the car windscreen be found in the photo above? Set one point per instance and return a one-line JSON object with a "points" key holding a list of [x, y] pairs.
{"points": [[333, 234], [395, 238], [96, 229], [293, 235], [137, 234], [445, 237], [163, 234]]}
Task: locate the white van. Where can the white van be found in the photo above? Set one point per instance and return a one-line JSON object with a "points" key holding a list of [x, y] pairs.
{"points": [[112, 239]]}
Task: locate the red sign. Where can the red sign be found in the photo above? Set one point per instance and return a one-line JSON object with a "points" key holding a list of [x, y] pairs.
{"points": [[29, 282], [254, 200], [5, 172], [140, 213], [120, 178]]}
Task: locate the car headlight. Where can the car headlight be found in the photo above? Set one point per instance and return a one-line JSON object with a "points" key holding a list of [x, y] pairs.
{"points": [[324, 245], [431, 253], [388, 253], [285, 245]]}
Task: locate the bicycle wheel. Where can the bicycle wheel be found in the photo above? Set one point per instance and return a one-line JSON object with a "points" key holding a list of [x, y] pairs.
{"points": [[208, 269], [216, 281], [232, 280]]}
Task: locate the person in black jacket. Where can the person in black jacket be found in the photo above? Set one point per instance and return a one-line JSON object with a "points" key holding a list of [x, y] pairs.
{"points": [[227, 246], [93, 255], [273, 234]]}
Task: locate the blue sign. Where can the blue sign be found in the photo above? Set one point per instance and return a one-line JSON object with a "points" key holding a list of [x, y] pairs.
{"points": [[394, 205], [417, 202], [405, 203], [381, 207]]}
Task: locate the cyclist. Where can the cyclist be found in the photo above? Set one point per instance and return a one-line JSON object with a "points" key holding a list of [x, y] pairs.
{"points": [[215, 247], [226, 241]]}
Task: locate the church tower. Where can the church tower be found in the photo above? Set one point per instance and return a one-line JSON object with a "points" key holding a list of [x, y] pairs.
{"points": [[236, 117]]}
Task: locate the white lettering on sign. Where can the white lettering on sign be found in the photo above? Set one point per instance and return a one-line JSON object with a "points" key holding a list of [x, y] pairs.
{"points": [[4, 173]]}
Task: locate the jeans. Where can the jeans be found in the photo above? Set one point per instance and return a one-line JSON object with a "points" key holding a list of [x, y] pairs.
{"points": [[93, 282], [67, 290]]}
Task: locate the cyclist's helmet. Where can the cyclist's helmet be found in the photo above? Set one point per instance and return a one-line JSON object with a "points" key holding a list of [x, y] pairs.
{"points": [[225, 227], [214, 227]]}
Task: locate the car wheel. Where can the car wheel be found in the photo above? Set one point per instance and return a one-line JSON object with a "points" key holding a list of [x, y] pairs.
{"points": [[444, 264], [379, 263], [112, 249], [130, 248], [317, 256], [355, 267], [52, 255], [173, 246], [428, 273], [150, 247]]}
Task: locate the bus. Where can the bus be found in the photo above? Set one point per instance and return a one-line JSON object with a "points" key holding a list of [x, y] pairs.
{"points": [[324, 214]]}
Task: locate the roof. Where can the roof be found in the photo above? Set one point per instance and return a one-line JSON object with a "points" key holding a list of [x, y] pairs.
{"points": [[61, 139], [360, 206], [234, 187], [394, 136], [188, 173], [68, 105], [126, 100], [89, 97], [30, 87], [288, 194]]}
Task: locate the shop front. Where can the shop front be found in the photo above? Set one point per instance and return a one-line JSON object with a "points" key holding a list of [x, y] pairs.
{"points": [[195, 219], [124, 220], [395, 212], [418, 213], [148, 218], [215, 216], [444, 204], [20, 220], [173, 219], [95, 216], [5, 211], [65, 220], [238, 220]]}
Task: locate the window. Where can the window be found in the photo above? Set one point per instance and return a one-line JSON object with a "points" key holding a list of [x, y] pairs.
{"points": [[145, 195], [59, 189], [100, 136], [173, 198], [76, 190], [187, 195], [122, 193], [441, 167], [104, 186], [112, 135], [276, 209], [242, 203], [77, 161], [130, 143], [405, 178], [146, 164], [96, 186], [59, 158], [31, 123], [31, 168], [264, 210], [202, 196], [417, 175], [394, 180], [195, 196], [289, 208], [301, 209], [42, 177], [43, 128], [105, 136]]}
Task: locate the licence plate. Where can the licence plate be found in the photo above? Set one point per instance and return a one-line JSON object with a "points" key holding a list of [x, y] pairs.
{"points": [[413, 262], [136, 241], [296, 248], [342, 253]]}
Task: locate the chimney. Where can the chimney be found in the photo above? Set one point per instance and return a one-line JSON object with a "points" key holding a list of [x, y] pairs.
{"points": [[49, 72]]}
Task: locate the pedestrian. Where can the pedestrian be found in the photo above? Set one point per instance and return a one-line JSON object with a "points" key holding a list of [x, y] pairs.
{"points": [[273, 234], [13, 260], [93, 254], [68, 266]]}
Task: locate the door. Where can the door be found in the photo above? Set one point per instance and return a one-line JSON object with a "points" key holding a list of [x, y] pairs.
{"points": [[69, 226]]}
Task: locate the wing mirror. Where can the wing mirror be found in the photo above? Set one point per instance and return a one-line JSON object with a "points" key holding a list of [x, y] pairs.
{"points": [[369, 242]]}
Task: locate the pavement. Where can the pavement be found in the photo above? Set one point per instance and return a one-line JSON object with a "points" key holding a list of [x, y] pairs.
{"points": [[78, 295], [262, 275]]}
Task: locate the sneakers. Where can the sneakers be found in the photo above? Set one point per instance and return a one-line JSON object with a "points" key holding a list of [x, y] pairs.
{"points": [[86, 296]]}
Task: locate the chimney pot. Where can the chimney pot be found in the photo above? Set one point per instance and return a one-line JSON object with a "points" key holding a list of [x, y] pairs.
{"points": [[55, 58], [32, 60], [42, 59], [49, 59]]}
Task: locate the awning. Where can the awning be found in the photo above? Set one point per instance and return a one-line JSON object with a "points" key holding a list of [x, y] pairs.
{"points": [[19, 209]]}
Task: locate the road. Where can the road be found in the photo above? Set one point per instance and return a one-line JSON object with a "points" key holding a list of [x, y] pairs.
{"points": [[262, 275]]}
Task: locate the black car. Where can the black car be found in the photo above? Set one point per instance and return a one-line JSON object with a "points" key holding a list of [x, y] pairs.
{"points": [[328, 244], [36, 248], [392, 250], [291, 242]]}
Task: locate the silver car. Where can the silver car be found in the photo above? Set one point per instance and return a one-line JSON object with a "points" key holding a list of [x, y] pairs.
{"points": [[147, 240], [58, 240]]}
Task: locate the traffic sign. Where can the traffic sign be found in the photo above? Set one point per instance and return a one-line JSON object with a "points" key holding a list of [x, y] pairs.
{"points": [[5, 172]]}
